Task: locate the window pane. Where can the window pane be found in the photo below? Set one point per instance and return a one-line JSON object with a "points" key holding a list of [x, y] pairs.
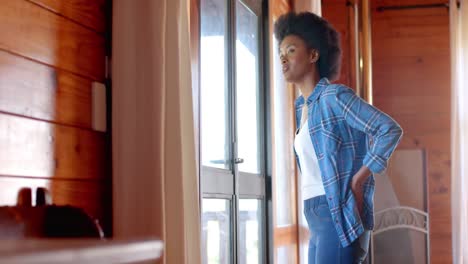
{"points": [[247, 88], [216, 231], [285, 255], [250, 231], [215, 147]]}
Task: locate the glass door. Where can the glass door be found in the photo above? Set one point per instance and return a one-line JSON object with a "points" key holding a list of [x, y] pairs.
{"points": [[232, 129]]}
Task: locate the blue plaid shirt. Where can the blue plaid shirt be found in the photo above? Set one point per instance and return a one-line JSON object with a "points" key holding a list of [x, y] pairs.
{"points": [[347, 133]]}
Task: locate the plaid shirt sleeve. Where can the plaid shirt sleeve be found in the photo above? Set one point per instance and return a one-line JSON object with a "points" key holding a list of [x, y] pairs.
{"points": [[386, 132]]}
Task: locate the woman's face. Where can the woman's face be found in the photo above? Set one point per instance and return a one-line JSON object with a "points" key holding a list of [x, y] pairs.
{"points": [[296, 59]]}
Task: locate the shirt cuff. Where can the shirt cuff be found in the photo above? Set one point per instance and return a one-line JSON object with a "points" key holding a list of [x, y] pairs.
{"points": [[375, 163]]}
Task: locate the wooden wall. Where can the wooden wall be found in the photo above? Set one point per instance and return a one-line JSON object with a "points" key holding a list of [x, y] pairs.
{"points": [[411, 82], [50, 53], [411, 62], [336, 12]]}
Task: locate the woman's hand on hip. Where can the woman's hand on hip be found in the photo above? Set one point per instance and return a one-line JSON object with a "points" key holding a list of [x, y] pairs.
{"points": [[357, 186]]}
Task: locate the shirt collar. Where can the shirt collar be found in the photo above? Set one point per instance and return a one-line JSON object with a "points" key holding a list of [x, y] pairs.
{"points": [[319, 88]]}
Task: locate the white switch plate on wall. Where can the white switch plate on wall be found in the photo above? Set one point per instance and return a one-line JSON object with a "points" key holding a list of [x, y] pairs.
{"points": [[99, 106]]}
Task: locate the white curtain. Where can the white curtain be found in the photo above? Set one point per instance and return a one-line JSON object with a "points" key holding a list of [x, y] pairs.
{"points": [[315, 7], [459, 61], [155, 183]]}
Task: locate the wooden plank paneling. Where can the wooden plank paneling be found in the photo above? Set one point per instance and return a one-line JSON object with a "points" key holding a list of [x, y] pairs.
{"points": [[434, 140], [50, 52], [32, 89], [36, 33], [41, 149], [411, 57], [91, 196], [413, 104], [405, 76], [279, 7], [439, 204], [408, 2], [337, 13], [90, 13], [421, 124], [398, 47]]}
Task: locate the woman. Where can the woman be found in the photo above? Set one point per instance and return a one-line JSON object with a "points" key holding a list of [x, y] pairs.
{"points": [[341, 141]]}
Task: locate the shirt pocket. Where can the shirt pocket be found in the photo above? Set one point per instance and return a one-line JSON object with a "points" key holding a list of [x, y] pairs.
{"points": [[331, 136]]}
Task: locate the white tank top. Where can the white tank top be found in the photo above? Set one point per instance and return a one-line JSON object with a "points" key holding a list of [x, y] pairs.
{"points": [[310, 179]]}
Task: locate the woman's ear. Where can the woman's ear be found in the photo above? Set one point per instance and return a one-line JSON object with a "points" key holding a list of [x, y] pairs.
{"points": [[313, 56]]}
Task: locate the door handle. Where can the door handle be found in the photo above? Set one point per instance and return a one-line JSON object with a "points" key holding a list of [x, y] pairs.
{"points": [[238, 160]]}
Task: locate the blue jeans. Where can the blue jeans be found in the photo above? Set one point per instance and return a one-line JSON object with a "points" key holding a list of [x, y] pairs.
{"points": [[324, 244]]}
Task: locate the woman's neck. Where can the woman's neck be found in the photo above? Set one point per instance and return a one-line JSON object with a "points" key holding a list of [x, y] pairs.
{"points": [[308, 83]]}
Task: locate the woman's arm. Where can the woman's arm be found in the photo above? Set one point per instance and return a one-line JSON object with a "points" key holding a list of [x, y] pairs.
{"points": [[385, 132]]}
